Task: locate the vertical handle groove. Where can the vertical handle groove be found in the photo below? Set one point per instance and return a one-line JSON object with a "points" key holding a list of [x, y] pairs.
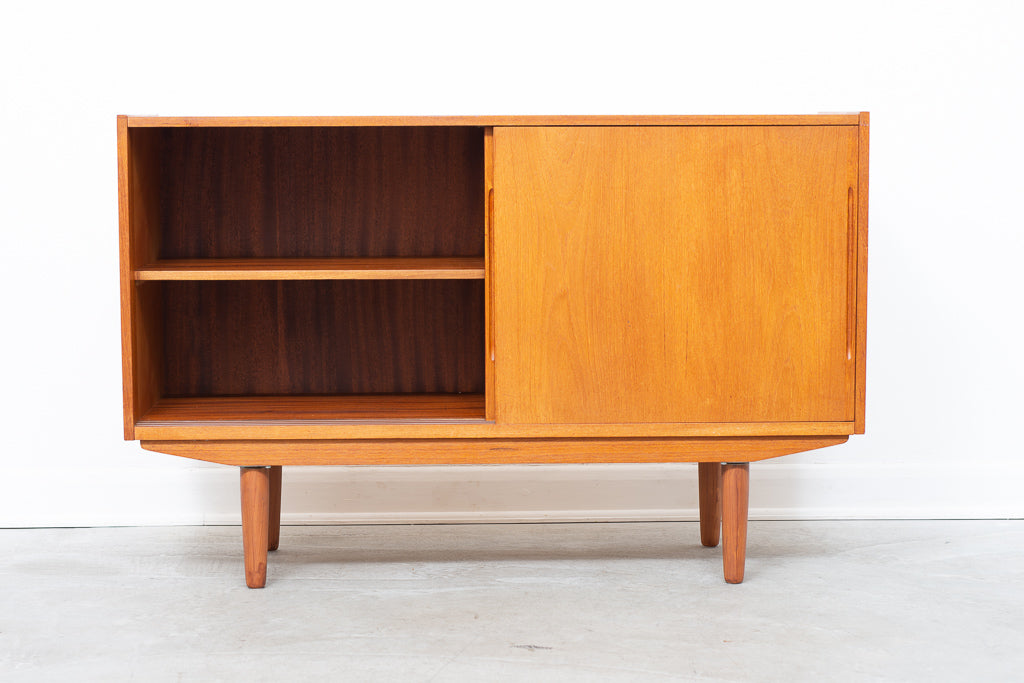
{"points": [[851, 270], [490, 250]]}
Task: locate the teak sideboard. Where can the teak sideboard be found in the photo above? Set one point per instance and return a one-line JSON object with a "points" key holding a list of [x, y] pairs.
{"points": [[523, 289]]}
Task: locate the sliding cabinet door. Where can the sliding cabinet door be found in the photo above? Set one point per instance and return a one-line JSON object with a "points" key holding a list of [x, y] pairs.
{"points": [[674, 274]]}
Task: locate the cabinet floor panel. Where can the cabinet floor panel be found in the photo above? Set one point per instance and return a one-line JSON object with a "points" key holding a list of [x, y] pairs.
{"points": [[361, 408]]}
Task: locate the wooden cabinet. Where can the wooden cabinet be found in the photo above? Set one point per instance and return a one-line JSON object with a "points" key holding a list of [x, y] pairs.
{"points": [[304, 291]]}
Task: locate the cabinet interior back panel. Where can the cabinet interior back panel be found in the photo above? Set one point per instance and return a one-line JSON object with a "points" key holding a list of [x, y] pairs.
{"points": [[674, 274], [327, 337], [318, 192]]}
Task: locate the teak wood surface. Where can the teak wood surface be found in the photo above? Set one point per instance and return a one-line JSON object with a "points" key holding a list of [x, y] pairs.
{"points": [[735, 494], [274, 530], [436, 268], [141, 335], [431, 408], [660, 274], [490, 121], [709, 481], [382, 427], [862, 270], [255, 492], [163, 324], [489, 379], [490, 451]]}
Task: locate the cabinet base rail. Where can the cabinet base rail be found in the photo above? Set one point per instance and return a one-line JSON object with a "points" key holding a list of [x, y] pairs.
{"points": [[723, 491]]}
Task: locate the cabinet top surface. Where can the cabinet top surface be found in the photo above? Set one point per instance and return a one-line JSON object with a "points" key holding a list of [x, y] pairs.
{"points": [[682, 120]]}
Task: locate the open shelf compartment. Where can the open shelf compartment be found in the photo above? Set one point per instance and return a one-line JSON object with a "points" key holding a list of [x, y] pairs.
{"points": [[350, 350], [306, 193], [306, 273]]}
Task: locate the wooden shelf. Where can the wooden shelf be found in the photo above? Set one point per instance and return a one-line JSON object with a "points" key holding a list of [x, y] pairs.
{"points": [[363, 408], [438, 268]]}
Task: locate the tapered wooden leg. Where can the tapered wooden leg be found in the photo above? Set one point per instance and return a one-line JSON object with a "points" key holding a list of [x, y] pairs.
{"points": [[735, 494], [255, 522], [709, 478], [275, 508]]}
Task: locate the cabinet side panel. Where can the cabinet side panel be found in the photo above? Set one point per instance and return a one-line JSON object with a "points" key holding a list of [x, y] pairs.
{"points": [[862, 272], [673, 274], [124, 261], [138, 209]]}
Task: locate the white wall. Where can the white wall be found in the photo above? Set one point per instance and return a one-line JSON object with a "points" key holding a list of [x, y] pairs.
{"points": [[942, 80]]}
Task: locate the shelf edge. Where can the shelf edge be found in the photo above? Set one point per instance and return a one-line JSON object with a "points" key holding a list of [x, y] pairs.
{"points": [[472, 268]]}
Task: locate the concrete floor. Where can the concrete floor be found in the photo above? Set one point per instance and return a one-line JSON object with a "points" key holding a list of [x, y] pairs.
{"points": [[835, 601]]}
